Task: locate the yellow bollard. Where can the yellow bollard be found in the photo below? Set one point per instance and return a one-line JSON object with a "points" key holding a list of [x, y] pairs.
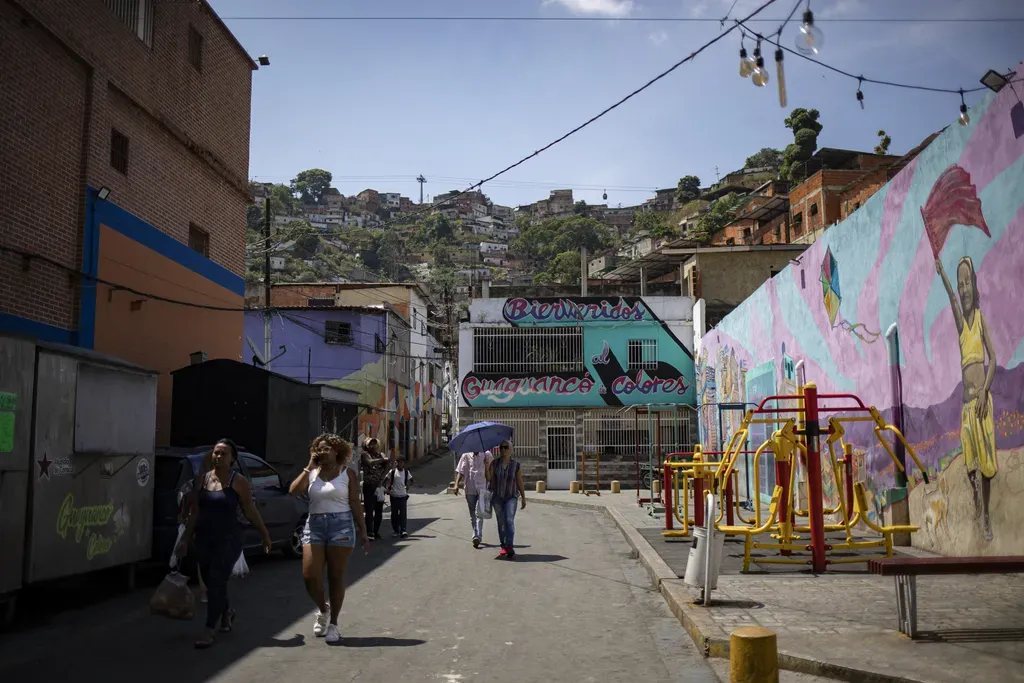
{"points": [[574, 487], [542, 486], [616, 486], [753, 656]]}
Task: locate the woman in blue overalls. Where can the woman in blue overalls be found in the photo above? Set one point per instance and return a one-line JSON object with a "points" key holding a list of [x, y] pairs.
{"points": [[219, 493]]}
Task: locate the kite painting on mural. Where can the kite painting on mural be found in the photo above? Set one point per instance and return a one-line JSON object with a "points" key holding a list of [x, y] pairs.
{"points": [[832, 297], [953, 201]]}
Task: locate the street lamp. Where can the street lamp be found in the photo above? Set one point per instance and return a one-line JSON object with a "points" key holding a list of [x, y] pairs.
{"points": [[103, 193], [993, 80], [263, 60]]}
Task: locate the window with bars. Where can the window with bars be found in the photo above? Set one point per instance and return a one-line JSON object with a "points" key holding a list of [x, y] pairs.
{"points": [[119, 151], [320, 301], [643, 354], [338, 332], [524, 350], [137, 15], [199, 240], [195, 48]]}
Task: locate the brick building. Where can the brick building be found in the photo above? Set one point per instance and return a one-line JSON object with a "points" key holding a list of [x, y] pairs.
{"points": [[764, 219], [816, 203], [124, 126]]}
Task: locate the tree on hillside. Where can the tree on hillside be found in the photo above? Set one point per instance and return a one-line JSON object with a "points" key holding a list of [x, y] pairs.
{"points": [[580, 208], [767, 157], [541, 242], [687, 189], [721, 212], [565, 268], [282, 201], [438, 227], [311, 184], [883, 143], [254, 218], [652, 223], [805, 127]]}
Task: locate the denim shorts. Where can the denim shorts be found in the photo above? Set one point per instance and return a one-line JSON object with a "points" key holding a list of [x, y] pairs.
{"points": [[336, 529]]}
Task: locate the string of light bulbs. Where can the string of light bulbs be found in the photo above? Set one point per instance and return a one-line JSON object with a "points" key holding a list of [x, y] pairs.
{"points": [[809, 42]]}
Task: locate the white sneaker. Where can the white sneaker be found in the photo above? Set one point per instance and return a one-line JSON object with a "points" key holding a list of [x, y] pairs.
{"points": [[333, 635], [320, 626]]}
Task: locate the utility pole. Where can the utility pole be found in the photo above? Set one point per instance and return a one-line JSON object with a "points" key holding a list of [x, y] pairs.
{"points": [[420, 179], [266, 287]]}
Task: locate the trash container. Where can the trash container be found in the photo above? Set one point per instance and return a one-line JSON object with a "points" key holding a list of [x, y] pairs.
{"points": [[697, 561]]}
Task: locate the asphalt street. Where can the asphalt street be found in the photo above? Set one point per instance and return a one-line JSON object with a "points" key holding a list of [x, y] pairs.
{"points": [[574, 606]]}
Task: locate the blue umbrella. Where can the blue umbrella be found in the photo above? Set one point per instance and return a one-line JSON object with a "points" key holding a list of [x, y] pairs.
{"points": [[481, 436]]}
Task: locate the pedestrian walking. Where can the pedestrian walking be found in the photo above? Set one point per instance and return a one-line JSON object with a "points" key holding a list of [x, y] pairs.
{"points": [[374, 467], [218, 534], [505, 479], [472, 469], [397, 486], [330, 532]]}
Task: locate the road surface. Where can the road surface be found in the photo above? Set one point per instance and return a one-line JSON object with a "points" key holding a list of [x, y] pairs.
{"points": [[574, 606]]}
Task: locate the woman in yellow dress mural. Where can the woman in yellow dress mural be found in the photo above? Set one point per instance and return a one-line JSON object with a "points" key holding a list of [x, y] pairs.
{"points": [[977, 428]]}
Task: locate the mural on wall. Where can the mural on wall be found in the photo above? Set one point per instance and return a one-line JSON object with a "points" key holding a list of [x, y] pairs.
{"points": [[301, 352], [937, 252], [610, 375]]}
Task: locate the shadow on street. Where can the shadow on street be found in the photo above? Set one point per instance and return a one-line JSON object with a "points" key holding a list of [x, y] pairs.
{"points": [[133, 645]]}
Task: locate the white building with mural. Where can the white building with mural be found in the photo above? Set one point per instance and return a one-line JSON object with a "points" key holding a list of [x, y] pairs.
{"points": [[608, 375]]}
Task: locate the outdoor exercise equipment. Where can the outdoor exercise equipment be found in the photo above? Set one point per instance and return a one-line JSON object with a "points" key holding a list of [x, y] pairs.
{"points": [[797, 437]]}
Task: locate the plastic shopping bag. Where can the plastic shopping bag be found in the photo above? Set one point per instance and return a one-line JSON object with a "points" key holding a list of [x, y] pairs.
{"points": [[483, 505], [173, 598], [241, 567], [174, 558]]}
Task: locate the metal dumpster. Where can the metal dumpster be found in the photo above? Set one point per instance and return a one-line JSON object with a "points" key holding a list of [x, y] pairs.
{"points": [[83, 451]]}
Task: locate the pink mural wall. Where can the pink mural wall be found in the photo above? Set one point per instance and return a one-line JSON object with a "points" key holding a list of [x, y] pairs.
{"points": [[939, 253]]}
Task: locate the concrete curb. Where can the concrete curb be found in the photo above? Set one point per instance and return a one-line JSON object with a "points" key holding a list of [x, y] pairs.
{"points": [[681, 602]]}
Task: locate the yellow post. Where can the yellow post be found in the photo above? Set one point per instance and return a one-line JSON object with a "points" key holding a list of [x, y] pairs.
{"points": [[753, 656], [574, 487], [616, 486], [542, 486]]}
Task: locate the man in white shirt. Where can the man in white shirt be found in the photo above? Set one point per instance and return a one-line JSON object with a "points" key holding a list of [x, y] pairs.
{"points": [[472, 468]]}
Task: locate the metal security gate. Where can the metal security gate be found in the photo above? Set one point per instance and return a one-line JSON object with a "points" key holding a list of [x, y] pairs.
{"points": [[526, 423], [561, 436]]}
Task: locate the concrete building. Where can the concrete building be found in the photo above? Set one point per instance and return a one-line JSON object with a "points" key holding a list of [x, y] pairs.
{"points": [[605, 374], [125, 138]]}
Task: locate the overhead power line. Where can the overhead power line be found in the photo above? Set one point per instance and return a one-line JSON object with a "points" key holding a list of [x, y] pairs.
{"points": [[645, 20]]}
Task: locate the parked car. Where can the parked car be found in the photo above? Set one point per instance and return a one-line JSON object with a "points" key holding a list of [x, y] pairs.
{"points": [[283, 514]]}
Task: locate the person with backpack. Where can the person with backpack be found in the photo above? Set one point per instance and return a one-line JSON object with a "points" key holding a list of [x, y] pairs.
{"points": [[397, 485]]}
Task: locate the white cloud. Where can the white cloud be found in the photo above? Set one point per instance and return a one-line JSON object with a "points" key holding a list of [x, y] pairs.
{"points": [[607, 8], [658, 37]]}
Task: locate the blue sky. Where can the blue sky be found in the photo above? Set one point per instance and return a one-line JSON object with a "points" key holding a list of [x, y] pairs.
{"points": [[378, 102]]}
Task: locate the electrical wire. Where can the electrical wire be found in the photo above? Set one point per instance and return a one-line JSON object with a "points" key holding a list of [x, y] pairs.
{"points": [[748, 33], [644, 20]]}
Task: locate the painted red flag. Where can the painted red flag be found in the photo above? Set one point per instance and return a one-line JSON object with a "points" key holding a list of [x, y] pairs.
{"points": [[953, 201]]}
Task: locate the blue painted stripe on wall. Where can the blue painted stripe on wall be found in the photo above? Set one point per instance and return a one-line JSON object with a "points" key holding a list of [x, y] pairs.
{"points": [[129, 225], [15, 324]]}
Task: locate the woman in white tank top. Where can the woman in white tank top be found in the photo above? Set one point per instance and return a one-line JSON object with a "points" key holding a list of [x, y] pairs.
{"points": [[335, 513]]}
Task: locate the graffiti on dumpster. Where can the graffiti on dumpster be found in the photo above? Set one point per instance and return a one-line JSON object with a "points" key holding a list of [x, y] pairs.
{"points": [[85, 524]]}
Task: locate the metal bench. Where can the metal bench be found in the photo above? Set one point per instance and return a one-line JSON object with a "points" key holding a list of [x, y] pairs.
{"points": [[906, 570]]}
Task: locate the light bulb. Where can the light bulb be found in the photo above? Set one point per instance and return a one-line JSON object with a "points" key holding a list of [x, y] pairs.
{"points": [[860, 98], [746, 63], [964, 118], [781, 76], [759, 77], [810, 39]]}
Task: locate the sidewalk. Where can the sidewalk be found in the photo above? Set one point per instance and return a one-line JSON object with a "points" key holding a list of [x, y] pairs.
{"points": [[841, 624]]}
